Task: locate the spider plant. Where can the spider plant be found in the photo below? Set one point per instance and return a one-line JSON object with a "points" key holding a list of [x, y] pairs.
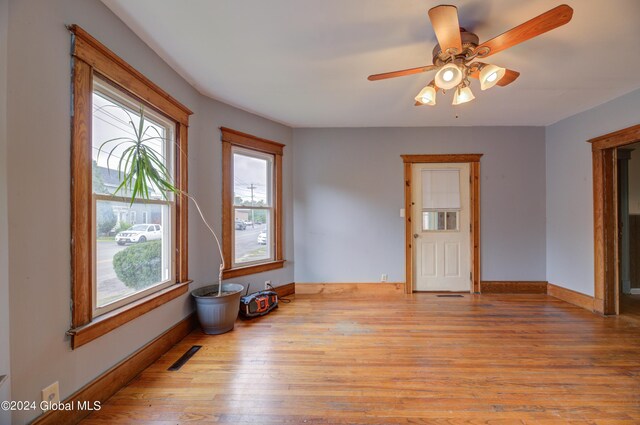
{"points": [[142, 170]]}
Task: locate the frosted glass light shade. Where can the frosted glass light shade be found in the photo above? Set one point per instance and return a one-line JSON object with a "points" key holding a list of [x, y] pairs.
{"points": [[448, 76], [463, 95], [427, 96], [490, 75]]}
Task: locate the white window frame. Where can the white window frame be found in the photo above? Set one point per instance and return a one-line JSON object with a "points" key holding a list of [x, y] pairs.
{"points": [[270, 190], [119, 97]]}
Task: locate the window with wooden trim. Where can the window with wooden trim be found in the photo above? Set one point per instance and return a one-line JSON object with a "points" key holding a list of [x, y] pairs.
{"points": [[128, 256], [252, 203]]}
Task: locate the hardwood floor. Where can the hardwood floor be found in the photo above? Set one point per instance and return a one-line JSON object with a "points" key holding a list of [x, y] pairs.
{"points": [[403, 359], [630, 306]]}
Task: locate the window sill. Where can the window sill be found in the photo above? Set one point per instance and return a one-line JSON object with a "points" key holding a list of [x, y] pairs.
{"points": [[116, 318], [257, 268]]}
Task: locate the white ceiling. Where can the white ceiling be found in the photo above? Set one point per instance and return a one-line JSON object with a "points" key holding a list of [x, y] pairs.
{"points": [[305, 62]]}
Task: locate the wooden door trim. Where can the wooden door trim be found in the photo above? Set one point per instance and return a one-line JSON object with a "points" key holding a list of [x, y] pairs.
{"points": [[605, 216], [474, 173]]}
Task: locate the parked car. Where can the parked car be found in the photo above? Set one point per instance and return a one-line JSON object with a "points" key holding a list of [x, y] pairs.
{"points": [[139, 233], [240, 225], [262, 238], [248, 222]]}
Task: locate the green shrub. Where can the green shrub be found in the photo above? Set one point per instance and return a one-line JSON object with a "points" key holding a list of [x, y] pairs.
{"points": [[139, 266]]}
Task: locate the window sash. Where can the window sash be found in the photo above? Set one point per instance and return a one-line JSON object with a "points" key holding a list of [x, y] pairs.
{"points": [[113, 95], [106, 90], [100, 310], [271, 237], [269, 158]]}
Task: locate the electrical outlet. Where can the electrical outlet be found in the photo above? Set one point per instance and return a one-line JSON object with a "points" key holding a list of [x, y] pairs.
{"points": [[384, 277], [51, 394], [267, 284]]}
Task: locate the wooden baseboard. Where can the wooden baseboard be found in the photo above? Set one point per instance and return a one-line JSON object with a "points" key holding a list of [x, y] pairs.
{"points": [[350, 289], [284, 290], [572, 297], [513, 287], [107, 384]]}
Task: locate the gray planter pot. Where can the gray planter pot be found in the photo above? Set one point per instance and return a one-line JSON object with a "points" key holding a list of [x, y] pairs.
{"points": [[218, 315]]}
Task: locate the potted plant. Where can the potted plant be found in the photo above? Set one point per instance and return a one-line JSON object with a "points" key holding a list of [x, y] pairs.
{"points": [[142, 172]]}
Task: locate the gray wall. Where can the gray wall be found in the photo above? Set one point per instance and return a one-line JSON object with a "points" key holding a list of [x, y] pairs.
{"points": [[38, 195], [5, 389], [348, 191], [570, 189]]}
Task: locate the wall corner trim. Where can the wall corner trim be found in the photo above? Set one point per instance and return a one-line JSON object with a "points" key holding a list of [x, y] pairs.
{"points": [[572, 297]]}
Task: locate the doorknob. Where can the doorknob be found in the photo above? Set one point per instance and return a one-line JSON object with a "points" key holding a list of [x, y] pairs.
{"points": [[415, 236]]}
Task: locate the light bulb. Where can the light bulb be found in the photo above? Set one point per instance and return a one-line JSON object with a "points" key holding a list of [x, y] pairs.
{"points": [[463, 95], [490, 75], [449, 76]]}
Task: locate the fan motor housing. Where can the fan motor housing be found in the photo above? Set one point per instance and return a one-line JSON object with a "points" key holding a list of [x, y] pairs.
{"points": [[469, 43]]}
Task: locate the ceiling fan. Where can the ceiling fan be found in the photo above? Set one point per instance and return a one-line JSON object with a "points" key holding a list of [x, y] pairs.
{"points": [[457, 52]]}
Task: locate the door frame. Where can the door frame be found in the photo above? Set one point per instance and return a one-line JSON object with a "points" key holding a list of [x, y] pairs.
{"points": [[605, 216], [473, 159]]}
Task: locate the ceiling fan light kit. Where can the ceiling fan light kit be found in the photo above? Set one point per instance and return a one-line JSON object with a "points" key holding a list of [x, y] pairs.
{"points": [[463, 95], [490, 75], [427, 96], [455, 55], [449, 76]]}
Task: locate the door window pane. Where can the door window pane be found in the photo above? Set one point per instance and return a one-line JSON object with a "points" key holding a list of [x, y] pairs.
{"points": [[439, 220]]}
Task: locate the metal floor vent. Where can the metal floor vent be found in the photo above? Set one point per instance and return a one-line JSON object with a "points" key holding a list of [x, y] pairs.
{"points": [[449, 296], [185, 357]]}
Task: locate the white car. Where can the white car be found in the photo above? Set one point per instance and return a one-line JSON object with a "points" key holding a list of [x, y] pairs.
{"points": [[262, 238], [140, 233]]}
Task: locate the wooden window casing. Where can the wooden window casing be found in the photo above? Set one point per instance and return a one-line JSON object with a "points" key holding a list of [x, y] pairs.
{"points": [[230, 139], [89, 58]]}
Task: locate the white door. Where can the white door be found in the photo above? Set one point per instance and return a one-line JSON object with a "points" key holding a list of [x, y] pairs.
{"points": [[441, 227]]}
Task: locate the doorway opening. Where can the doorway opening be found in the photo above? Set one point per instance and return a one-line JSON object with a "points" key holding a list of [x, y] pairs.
{"points": [[628, 186], [442, 222], [615, 222]]}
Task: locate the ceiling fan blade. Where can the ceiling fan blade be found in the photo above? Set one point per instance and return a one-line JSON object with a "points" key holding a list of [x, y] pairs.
{"points": [[401, 73], [444, 20], [509, 76], [549, 20]]}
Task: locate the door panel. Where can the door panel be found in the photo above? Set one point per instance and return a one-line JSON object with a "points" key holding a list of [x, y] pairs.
{"points": [[442, 232], [429, 259], [451, 259]]}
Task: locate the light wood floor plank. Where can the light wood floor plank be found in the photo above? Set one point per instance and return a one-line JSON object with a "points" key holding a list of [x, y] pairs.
{"points": [[402, 359]]}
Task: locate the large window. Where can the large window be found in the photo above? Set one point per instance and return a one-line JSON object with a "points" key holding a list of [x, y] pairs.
{"points": [[128, 256], [252, 205], [132, 258]]}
